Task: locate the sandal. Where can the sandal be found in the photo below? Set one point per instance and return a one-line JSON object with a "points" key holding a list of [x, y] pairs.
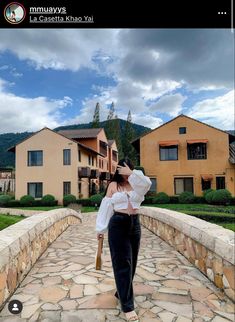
{"points": [[133, 318]]}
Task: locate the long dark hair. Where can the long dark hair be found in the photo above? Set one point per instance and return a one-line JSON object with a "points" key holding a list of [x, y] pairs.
{"points": [[117, 177]]}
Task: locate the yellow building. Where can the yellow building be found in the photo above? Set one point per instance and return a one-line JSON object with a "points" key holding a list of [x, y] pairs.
{"points": [[187, 155], [51, 163]]}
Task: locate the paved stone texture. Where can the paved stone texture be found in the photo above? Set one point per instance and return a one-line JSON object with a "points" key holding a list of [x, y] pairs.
{"points": [[64, 286]]}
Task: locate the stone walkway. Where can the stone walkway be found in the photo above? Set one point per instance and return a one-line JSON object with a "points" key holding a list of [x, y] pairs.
{"points": [[64, 286]]}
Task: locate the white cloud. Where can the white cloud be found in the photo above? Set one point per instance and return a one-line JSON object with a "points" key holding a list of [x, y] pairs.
{"points": [[169, 104], [147, 120], [218, 112], [18, 114], [59, 49]]}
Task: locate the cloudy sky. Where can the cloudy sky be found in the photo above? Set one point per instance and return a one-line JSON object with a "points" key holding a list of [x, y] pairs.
{"points": [[55, 77]]}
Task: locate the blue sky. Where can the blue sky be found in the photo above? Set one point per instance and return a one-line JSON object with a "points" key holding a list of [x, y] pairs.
{"points": [[55, 77]]}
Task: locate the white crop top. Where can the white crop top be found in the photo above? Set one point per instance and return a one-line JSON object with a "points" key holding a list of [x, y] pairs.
{"points": [[119, 200]]}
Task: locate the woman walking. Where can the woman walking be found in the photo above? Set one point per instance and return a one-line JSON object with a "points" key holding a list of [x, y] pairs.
{"points": [[118, 213]]}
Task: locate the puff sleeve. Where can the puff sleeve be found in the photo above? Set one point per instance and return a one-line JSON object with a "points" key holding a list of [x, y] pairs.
{"points": [[139, 182], [104, 214]]}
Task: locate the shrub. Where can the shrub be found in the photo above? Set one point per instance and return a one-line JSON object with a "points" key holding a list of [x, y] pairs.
{"points": [[69, 199], [151, 194], [232, 202], [205, 192], [148, 200], [26, 200], [48, 200], [186, 197], [96, 199], [84, 202], [4, 200], [208, 196], [13, 203], [199, 199], [174, 199], [161, 197], [221, 197]]}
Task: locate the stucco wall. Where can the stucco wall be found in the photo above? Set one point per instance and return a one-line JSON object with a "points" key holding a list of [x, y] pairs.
{"points": [[216, 163]]}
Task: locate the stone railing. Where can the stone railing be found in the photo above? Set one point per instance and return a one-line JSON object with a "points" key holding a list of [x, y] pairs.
{"points": [[24, 242], [209, 247]]}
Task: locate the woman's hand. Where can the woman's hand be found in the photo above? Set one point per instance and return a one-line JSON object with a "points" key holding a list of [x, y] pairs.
{"points": [[124, 171], [100, 236]]}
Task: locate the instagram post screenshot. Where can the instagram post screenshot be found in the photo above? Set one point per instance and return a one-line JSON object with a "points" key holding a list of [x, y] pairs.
{"points": [[117, 161]]}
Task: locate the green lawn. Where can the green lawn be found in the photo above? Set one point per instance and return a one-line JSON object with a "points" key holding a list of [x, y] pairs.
{"points": [[227, 226], [7, 220], [39, 208], [89, 209]]}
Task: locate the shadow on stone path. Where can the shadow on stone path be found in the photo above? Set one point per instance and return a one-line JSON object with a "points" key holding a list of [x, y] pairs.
{"points": [[64, 286]]}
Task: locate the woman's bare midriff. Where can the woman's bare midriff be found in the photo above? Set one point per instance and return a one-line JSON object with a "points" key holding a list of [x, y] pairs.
{"points": [[130, 210]]}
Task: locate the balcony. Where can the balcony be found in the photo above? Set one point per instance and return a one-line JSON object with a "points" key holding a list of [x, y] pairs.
{"points": [[105, 176], [94, 174], [84, 172], [232, 153]]}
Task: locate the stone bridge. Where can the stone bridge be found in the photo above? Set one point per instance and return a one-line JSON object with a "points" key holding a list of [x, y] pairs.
{"points": [[185, 270]]}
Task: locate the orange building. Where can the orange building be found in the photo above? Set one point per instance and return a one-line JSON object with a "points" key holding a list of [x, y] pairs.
{"points": [[55, 163], [187, 155]]}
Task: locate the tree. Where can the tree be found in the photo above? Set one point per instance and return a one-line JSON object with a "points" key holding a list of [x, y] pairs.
{"points": [[111, 112], [96, 117], [128, 136]]}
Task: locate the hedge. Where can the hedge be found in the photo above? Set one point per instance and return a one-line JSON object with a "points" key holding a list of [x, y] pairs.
{"points": [[186, 197], [26, 200], [4, 200], [69, 199], [96, 199], [48, 200], [161, 198]]}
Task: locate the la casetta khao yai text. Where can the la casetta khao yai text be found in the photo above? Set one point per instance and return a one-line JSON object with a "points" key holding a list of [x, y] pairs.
{"points": [[43, 18]]}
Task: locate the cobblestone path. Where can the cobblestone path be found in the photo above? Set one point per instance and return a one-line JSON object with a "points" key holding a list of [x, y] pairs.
{"points": [[64, 286]]}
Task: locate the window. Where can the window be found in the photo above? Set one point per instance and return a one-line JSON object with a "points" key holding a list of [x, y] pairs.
{"points": [[182, 130], [67, 188], [154, 185], [183, 184], [168, 152], [79, 155], [197, 151], [114, 155], [92, 161], [220, 183], [89, 159], [35, 158], [206, 184], [79, 187], [67, 156], [35, 189], [103, 148]]}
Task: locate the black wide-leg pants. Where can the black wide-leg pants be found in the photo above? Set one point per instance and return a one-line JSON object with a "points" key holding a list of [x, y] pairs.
{"points": [[124, 233]]}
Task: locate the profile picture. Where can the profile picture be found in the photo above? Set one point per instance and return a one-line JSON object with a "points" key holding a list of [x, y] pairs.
{"points": [[14, 13]]}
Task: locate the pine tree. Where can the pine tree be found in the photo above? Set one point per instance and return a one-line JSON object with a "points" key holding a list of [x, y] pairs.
{"points": [[117, 136], [128, 136], [111, 112], [96, 117], [109, 126], [113, 130]]}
